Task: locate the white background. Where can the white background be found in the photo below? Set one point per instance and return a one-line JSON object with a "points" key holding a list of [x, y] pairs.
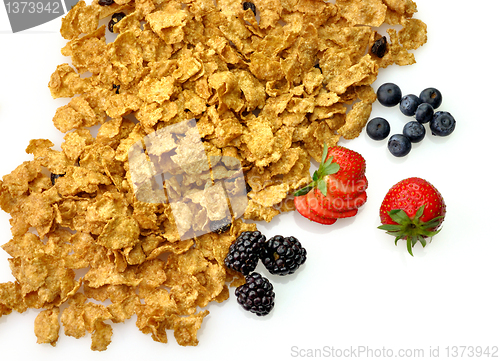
{"points": [[357, 288]]}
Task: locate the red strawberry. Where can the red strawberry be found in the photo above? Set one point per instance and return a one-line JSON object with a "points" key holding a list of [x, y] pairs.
{"points": [[329, 197], [323, 208], [336, 188], [352, 164], [413, 209], [341, 203], [303, 208]]}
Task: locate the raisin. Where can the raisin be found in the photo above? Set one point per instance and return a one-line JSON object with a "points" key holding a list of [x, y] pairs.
{"points": [[115, 18], [379, 47], [54, 176], [251, 6], [106, 2]]}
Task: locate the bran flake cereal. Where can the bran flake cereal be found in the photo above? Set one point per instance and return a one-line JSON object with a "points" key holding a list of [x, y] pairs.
{"points": [[222, 99]]}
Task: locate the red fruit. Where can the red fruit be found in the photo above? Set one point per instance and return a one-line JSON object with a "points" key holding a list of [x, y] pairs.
{"points": [[342, 203], [413, 209], [303, 208], [352, 164], [323, 208], [336, 188]]}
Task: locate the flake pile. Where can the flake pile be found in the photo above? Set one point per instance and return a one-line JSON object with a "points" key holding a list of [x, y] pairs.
{"points": [[267, 91]]}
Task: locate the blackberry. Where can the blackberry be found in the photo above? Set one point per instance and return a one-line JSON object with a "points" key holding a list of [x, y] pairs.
{"points": [[243, 254], [115, 18], [256, 295], [220, 226], [283, 255]]}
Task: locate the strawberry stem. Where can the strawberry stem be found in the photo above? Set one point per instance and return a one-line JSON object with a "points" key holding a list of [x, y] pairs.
{"points": [[411, 229], [326, 167]]}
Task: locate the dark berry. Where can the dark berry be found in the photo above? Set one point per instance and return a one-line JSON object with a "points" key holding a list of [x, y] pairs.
{"points": [[251, 6], [243, 254], [116, 88], [53, 177], [389, 94], [409, 104], [442, 124], [256, 295], [399, 145], [414, 131], [431, 96], [282, 255], [424, 113], [221, 225], [378, 128], [379, 47], [106, 2], [115, 18]]}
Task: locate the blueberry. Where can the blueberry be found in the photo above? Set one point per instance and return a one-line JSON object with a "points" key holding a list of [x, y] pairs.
{"points": [[399, 145], [414, 131], [379, 47], [442, 124], [389, 94], [409, 104], [378, 128], [431, 96], [424, 113], [115, 18]]}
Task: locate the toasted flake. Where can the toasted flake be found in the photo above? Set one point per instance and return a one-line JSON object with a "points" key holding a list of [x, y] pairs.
{"points": [[47, 326]]}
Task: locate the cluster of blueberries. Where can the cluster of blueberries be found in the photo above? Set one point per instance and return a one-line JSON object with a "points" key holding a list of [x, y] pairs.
{"points": [[421, 107]]}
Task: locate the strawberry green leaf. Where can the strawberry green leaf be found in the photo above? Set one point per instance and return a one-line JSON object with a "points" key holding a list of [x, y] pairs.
{"points": [[303, 191], [325, 153], [433, 222], [325, 168], [414, 241], [409, 246], [322, 186], [399, 216], [327, 162], [422, 241], [390, 227], [331, 168], [420, 211]]}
